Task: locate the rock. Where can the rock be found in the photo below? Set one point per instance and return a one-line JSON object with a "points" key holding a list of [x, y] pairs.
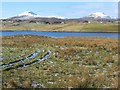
{"points": [[36, 85]]}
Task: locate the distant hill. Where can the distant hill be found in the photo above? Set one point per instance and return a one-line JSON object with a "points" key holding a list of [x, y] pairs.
{"points": [[99, 15], [30, 16]]}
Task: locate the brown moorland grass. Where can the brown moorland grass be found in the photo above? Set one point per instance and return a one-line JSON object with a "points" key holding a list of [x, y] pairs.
{"points": [[75, 62]]}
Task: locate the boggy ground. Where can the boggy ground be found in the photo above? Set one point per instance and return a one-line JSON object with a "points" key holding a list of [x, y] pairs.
{"points": [[74, 62]]}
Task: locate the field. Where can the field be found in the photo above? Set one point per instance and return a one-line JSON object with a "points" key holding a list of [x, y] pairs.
{"points": [[69, 27], [73, 62]]}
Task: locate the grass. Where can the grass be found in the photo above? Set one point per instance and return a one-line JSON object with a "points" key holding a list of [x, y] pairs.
{"points": [[69, 27], [74, 62]]}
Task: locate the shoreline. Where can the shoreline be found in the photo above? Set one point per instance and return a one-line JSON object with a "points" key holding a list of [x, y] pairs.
{"points": [[56, 31], [59, 37]]}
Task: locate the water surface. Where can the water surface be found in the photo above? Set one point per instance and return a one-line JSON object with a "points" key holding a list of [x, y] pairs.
{"points": [[61, 34]]}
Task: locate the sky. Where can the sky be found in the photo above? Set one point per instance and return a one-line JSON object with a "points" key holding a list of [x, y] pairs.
{"points": [[62, 9]]}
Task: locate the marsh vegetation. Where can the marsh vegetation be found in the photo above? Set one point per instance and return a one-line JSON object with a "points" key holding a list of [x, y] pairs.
{"points": [[73, 62]]}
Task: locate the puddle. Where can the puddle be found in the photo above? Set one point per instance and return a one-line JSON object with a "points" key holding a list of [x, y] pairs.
{"points": [[21, 60], [31, 63]]}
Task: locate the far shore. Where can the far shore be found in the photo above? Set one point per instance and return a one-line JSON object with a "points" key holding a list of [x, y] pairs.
{"points": [[69, 27], [58, 31]]}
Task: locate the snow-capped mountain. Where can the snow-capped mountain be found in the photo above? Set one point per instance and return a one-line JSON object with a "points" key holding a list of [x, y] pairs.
{"points": [[54, 17], [29, 14], [25, 16], [99, 15]]}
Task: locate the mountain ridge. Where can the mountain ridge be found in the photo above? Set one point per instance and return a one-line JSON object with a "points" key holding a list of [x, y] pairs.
{"points": [[99, 15], [30, 14]]}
